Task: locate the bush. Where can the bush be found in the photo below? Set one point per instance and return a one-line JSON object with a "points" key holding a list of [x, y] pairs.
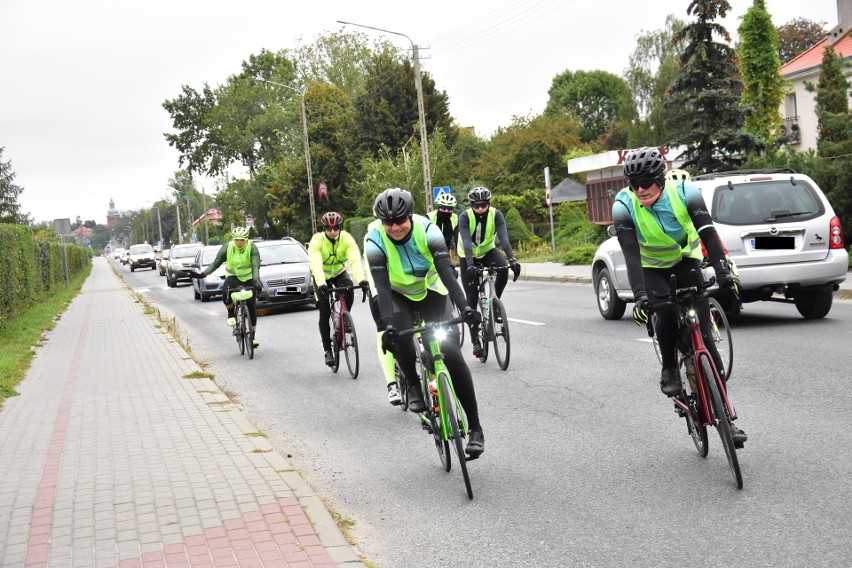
{"points": [[517, 229], [582, 254]]}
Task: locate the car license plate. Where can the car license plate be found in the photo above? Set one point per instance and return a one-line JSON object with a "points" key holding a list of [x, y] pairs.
{"points": [[287, 290], [773, 243]]}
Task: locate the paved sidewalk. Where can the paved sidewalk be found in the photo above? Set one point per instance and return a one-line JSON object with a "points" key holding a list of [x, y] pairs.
{"points": [[111, 457]]}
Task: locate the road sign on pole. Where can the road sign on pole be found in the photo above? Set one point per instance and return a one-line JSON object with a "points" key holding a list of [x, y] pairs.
{"points": [[436, 191]]}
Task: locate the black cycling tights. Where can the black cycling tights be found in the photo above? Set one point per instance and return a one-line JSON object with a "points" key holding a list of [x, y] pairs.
{"points": [[657, 282], [435, 307]]}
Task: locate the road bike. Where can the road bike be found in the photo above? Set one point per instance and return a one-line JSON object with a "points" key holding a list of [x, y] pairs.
{"points": [[443, 417], [703, 400], [242, 329], [343, 336], [721, 334], [495, 324]]}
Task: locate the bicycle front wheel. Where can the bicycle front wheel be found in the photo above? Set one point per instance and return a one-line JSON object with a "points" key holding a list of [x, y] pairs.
{"points": [[350, 345], [452, 410], [721, 334], [335, 345], [239, 330], [500, 325], [433, 411], [247, 331], [720, 418]]}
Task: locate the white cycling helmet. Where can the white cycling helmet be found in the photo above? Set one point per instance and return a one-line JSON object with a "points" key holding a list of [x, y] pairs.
{"points": [[240, 233], [678, 175], [445, 200]]}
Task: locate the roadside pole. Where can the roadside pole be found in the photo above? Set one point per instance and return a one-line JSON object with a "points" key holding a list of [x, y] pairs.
{"points": [[549, 207]]}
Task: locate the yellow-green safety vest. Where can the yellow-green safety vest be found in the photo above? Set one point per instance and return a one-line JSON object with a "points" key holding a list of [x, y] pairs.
{"points": [[332, 255], [487, 243], [410, 285], [239, 262], [433, 216], [658, 249]]}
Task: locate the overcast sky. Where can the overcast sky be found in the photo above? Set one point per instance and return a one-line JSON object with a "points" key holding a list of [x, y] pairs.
{"points": [[81, 114]]}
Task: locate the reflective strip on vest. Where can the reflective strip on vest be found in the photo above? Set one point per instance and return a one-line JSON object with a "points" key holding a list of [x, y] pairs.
{"points": [[410, 285], [238, 262], [659, 250], [490, 234]]}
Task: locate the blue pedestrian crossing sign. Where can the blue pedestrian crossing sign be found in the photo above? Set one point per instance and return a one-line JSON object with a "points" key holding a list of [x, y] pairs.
{"points": [[436, 191]]}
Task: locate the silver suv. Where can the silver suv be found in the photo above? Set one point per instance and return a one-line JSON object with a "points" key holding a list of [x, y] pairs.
{"points": [[779, 229]]}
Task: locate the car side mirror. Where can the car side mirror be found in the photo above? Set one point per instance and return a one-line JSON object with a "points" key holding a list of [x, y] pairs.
{"points": [[610, 230]]}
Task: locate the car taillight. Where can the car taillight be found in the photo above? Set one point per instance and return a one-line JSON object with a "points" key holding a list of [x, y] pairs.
{"points": [[835, 241]]}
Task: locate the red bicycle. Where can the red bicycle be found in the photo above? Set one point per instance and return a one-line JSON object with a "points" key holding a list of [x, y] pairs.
{"points": [[343, 336], [703, 400]]}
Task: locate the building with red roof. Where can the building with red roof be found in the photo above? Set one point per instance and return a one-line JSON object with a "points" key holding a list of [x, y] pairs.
{"points": [[799, 110]]}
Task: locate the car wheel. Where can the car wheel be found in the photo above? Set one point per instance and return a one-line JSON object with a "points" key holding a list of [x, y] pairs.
{"points": [[132, 269], [196, 294], [609, 304], [814, 303], [171, 281], [205, 298]]}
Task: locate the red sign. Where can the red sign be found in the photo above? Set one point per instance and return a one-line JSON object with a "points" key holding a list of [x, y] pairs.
{"points": [[322, 192]]}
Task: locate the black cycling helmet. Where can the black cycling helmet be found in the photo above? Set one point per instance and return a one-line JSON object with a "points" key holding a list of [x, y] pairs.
{"points": [[393, 204], [332, 220], [645, 163], [479, 194]]}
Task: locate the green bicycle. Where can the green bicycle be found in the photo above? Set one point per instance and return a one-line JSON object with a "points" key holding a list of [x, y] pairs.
{"points": [[443, 417]]}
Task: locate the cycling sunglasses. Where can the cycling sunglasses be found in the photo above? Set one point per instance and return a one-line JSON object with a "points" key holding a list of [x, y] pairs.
{"points": [[479, 204], [445, 209], [644, 183], [392, 222]]}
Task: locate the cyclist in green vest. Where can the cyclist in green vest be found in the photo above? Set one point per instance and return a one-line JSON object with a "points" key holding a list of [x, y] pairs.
{"points": [[242, 266], [411, 270], [660, 226], [446, 218], [481, 229], [328, 250]]}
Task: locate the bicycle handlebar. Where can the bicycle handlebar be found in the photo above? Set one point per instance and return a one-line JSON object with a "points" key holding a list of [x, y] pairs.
{"points": [[429, 326], [336, 290]]}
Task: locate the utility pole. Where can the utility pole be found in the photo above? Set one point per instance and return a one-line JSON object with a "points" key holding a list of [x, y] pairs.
{"points": [[418, 85], [160, 225], [206, 215], [180, 234], [189, 226]]}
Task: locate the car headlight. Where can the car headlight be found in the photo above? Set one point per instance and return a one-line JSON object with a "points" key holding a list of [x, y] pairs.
{"points": [[211, 279]]}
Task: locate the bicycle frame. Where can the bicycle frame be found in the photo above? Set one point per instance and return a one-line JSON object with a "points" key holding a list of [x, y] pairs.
{"points": [[337, 303], [431, 336]]}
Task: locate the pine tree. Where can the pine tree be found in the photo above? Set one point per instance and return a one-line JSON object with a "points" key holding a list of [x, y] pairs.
{"points": [[703, 101], [10, 209], [760, 66]]}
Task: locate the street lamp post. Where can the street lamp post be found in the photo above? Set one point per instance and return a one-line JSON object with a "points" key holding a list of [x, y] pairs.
{"points": [[160, 226], [307, 148], [418, 85]]}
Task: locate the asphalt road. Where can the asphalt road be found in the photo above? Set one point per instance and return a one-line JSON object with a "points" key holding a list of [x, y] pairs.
{"points": [[586, 463]]}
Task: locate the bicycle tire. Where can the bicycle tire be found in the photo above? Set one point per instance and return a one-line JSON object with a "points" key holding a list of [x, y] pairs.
{"points": [[452, 409], [696, 429], [247, 331], [720, 418], [350, 345], [401, 386], [238, 328], [335, 345], [442, 445], [722, 336], [502, 346]]}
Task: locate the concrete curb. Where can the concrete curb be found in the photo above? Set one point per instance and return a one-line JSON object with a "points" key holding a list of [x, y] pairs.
{"points": [[575, 279]]}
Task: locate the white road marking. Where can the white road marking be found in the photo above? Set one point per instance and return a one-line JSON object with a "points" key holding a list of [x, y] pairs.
{"points": [[646, 340], [143, 289], [526, 322]]}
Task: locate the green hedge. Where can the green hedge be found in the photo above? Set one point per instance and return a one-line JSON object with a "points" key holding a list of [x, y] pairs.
{"points": [[31, 267]]}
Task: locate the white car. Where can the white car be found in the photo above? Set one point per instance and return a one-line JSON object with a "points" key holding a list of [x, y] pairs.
{"points": [[779, 229], [142, 256]]}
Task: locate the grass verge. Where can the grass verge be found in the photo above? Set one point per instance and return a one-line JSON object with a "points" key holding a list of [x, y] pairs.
{"points": [[25, 333]]}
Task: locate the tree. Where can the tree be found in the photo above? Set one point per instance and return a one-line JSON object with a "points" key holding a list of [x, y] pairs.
{"points": [[703, 100], [834, 143], [652, 67], [10, 209], [595, 97], [798, 35], [764, 87]]}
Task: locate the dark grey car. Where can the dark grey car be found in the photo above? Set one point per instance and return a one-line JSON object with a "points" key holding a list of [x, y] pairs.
{"points": [[205, 288], [284, 273]]}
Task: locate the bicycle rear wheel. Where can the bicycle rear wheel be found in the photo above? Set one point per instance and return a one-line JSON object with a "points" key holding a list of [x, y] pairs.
{"points": [[720, 418], [722, 336], [350, 345], [500, 325], [451, 408], [247, 331]]}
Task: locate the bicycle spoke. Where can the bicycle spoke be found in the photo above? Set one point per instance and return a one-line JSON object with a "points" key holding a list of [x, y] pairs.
{"points": [[350, 345]]}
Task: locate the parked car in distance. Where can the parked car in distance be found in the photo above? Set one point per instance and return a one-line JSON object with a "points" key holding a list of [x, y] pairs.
{"points": [[180, 263], [124, 257], [163, 264], [204, 289], [142, 256], [284, 274], [779, 229]]}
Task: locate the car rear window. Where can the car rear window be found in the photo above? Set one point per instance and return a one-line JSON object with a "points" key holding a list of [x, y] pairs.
{"points": [[278, 254], [776, 201], [184, 252]]}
